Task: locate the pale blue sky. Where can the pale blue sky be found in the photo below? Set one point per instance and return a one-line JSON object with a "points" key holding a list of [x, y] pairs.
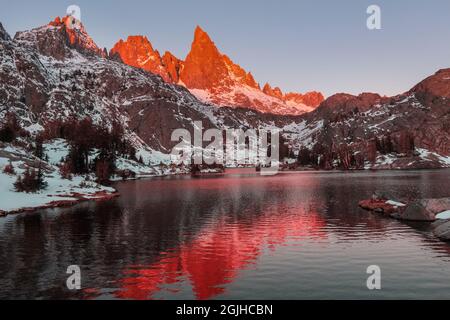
{"points": [[297, 45]]}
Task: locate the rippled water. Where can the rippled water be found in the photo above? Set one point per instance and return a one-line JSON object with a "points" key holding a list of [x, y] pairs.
{"points": [[240, 236]]}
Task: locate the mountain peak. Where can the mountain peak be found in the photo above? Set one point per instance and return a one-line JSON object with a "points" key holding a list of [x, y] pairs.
{"points": [[202, 41], [137, 51], [437, 85], [200, 34], [140, 40], [204, 66], [213, 76], [273, 92], [58, 37]]}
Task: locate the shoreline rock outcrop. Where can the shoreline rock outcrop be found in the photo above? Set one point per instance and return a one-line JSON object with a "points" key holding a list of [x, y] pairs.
{"points": [[421, 210]]}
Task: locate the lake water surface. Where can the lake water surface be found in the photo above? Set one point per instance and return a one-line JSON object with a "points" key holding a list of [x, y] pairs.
{"points": [[240, 236]]}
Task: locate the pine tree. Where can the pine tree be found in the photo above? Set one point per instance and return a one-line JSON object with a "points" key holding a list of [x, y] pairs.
{"points": [[39, 147]]}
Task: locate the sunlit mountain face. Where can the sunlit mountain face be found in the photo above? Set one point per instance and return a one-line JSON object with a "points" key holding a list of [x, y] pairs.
{"points": [[213, 77]]}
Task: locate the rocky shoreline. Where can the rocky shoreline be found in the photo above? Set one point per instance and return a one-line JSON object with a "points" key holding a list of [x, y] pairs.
{"points": [[77, 198], [434, 211]]}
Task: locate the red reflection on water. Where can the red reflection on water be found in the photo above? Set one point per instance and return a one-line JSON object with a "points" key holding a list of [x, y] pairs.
{"points": [[216, 256]]}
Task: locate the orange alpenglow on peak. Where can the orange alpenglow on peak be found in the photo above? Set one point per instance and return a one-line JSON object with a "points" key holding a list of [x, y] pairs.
{"points": [[204, 67], [213, 77], [137, 51], [201, 36], [78, 37], [275, 92], [173, 66]]}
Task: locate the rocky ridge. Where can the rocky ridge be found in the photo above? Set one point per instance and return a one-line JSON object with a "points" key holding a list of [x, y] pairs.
{"points": [[48, 76], [213, 77]]}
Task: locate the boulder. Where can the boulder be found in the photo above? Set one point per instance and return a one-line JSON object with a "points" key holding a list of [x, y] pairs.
{"points": [[437, 223], [423, 210], [442, 231]]}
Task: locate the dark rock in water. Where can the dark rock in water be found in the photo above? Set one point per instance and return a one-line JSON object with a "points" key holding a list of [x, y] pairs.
{"points": [[423, 210], [442, 231]]}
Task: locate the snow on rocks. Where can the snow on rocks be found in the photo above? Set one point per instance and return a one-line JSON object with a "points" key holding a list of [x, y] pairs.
{"points": [[424, 209], [419, 210], [382, 202], [379, 206], [445, 215], [395, 203]]}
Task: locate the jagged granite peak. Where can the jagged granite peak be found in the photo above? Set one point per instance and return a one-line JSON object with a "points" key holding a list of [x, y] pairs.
{"points": [[137, 51], [213, 77], [204, 66], [273, 92]]}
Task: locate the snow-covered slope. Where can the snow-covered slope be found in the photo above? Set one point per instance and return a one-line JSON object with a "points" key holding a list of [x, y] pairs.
{"points": [[58, 191]]}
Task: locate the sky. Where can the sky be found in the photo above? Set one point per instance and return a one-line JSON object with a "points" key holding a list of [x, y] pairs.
{"points": [[294, 44]]}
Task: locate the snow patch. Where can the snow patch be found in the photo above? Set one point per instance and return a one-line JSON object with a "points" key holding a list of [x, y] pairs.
{"points": [[443, 215], [395, 203]]}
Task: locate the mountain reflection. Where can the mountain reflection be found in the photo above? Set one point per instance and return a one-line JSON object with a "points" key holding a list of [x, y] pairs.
{"points": [[219, 253], [238, 237]]}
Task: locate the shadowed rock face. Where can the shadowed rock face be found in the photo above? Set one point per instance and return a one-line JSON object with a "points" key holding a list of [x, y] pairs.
{"points": [[3, 34]]}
